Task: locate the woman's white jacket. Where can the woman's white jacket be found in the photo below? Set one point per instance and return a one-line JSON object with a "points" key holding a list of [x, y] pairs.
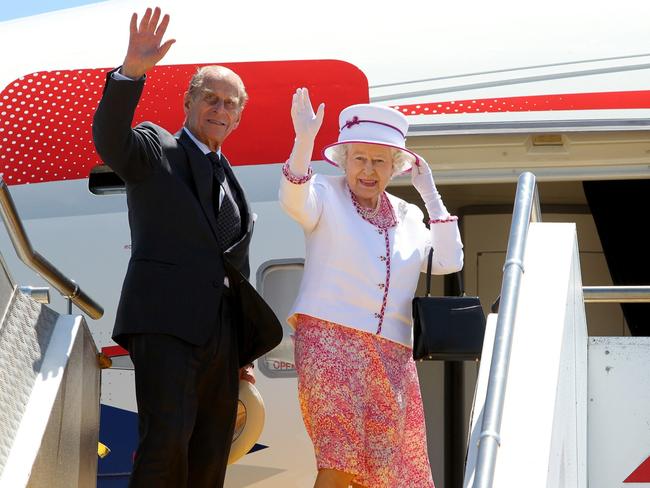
{"points": [[350, 277]]}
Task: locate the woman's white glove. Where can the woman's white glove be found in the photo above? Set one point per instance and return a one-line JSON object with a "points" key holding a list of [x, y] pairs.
{"points": [[422, 180], [306, 124]]}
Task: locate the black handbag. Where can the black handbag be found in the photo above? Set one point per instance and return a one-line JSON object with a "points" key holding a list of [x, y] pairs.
{"points": [[447, 328]]}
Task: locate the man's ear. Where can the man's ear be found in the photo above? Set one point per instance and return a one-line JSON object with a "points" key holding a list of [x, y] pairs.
{"points": [[186, 102], [236, 124]]}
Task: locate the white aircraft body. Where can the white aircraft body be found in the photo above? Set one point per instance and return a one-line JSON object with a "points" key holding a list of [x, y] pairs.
{"points": [[490, 89]]}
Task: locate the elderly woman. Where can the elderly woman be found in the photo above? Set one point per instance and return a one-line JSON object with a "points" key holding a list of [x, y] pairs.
{"points": [[357, 382]]}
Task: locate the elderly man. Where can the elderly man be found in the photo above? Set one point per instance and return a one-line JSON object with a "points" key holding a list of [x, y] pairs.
{"points": [[187, 314]]}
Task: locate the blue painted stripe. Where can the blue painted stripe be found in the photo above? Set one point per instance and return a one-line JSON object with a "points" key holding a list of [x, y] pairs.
{"points": [[118, 430], [257, 447]]}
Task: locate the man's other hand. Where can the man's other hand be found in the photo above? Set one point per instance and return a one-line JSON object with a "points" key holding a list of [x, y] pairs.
{"points": [[246, 373], [145, 49]]}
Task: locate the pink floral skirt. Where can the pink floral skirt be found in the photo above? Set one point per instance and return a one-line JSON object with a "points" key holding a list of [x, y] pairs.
{"points": [[360, 401]]}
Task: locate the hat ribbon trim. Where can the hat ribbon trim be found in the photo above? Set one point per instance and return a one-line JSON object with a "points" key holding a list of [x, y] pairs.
{"points": [[356, 121]]}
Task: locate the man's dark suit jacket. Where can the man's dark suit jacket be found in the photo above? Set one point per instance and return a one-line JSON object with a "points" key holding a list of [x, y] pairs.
{"points": [[175, 277]]}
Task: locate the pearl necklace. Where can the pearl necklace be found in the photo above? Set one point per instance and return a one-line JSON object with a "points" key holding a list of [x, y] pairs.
{"points": [[381, 216], [367, 212]]}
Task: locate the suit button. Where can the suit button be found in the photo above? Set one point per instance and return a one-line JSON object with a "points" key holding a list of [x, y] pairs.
{"points": [[216, 284]]}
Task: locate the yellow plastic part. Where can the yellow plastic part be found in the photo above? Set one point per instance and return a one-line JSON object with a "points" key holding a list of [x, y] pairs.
{"points": [[104, 361], [102, 450]]}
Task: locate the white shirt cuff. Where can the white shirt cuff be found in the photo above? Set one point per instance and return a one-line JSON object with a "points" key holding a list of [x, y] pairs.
{"points": [[116, 75]]}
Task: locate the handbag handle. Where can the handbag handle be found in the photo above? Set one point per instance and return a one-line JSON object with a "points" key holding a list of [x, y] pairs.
{"points": [[429, 272], [461, 287]]}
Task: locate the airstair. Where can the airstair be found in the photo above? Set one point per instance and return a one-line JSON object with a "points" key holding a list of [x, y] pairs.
{"points": [[49, 376], [554, 407]]}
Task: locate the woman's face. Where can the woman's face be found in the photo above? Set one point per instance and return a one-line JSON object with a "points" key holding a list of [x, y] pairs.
{"points": [[369, 168]]}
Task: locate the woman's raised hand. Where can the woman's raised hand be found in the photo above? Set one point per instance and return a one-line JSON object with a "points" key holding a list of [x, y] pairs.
{"points": [[305, 122], [421, 177], [422, 180], [145, 49]]}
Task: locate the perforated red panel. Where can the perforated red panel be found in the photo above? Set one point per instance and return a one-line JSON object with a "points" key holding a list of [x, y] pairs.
{"points": [[536, 103], [46, 117]]}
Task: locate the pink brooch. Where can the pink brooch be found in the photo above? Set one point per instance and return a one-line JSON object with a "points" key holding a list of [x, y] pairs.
{"points": [[349, 123]]}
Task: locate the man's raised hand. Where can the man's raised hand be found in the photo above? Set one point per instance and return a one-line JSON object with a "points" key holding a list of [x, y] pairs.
{"points": [[145, 49]]}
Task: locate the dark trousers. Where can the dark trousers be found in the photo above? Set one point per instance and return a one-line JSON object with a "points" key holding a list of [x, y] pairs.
{"points": [[187, 404]]}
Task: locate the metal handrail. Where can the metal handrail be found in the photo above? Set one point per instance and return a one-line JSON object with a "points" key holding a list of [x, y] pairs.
{"points": [[526, 209], [616, 294], [40, 294], [38, 263]]}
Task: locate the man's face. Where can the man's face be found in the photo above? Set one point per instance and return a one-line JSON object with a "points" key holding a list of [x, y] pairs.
{"points": [[213, 111]]}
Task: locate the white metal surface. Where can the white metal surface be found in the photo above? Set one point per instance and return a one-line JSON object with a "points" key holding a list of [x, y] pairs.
{"points": [[56, 442], [411, 52], [26, 331], [619, 406], [543, 432]]}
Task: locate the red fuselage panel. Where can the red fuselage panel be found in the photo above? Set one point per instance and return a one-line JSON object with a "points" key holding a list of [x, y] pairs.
{"points": [[46, 117]]}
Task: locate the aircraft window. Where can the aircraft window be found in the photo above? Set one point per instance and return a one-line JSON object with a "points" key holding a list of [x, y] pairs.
{"points": [[278, 282], [103, 181]]}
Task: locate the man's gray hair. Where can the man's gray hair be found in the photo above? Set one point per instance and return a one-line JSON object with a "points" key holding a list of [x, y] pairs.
{"points": [[196, 83]]}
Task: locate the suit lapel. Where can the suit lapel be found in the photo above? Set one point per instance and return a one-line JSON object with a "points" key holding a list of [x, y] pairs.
{"points": [[202, 173], [245, 211]]}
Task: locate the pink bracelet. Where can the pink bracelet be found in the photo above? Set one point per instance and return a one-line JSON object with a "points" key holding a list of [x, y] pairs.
{"points": [[451, 218], [296, 180]]}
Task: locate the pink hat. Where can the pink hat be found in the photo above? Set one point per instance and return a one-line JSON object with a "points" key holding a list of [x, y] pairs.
{"points": [[373, 124]]}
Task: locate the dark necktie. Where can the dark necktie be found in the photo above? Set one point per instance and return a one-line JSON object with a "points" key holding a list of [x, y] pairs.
{"points": [[228, 216]]}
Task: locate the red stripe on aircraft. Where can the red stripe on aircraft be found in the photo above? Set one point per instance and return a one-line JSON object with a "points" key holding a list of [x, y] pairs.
{"points": [[536, 103], [46, 117], [113, 351], [640, 474]]}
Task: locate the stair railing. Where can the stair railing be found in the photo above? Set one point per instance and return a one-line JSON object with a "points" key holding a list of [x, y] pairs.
{"points": [[68, 288], [526, 209]]}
